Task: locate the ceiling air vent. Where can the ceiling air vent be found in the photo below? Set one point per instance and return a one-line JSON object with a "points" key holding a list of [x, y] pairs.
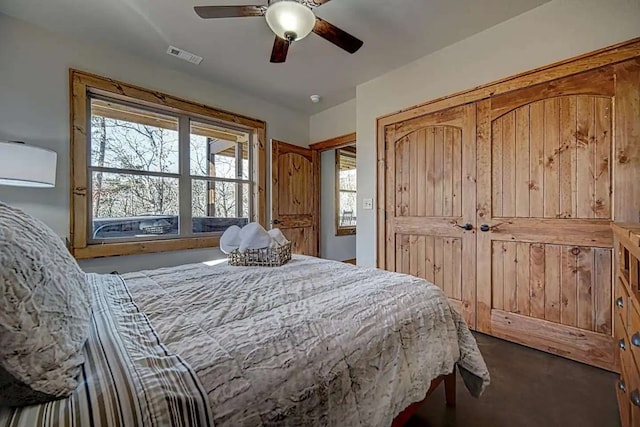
{"points": [[183, 54]]}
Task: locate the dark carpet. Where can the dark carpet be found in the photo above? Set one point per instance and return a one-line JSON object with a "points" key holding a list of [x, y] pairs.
{"points": [[528, 388]]}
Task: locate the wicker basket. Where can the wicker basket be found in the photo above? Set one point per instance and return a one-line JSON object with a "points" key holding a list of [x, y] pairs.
{"points": [[268, 257]]}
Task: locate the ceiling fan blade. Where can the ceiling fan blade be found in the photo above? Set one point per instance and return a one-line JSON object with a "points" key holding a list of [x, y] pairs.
{"points": [[315, 3], [337, 36], [280, 49], [208, 12]]}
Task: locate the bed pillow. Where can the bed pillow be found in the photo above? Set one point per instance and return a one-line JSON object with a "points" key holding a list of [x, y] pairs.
{"points": [[45, 307]]}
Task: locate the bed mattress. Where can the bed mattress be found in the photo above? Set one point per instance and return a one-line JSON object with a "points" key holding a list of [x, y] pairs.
{"points": [[313, 342]]}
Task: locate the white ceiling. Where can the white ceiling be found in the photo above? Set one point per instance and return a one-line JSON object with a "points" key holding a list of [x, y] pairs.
{"points": [[236, 51]]}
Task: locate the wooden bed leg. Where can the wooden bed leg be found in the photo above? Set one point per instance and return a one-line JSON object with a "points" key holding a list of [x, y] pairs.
{"points": [[450, 388]]}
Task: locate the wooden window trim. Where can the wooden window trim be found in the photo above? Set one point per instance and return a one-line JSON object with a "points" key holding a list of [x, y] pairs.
{"points": [[340, 230], [81, 84], [334, 143]]}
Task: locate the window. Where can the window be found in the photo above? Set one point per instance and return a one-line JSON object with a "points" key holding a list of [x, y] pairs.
{"points": [[346, 200], [157, 173]]}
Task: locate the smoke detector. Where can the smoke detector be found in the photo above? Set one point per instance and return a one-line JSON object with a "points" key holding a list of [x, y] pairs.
{"points": [[183, 54], [315, 98]]}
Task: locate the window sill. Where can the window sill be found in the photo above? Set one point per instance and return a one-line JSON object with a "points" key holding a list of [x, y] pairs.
{"points": [[146, 247], [346, 231]]}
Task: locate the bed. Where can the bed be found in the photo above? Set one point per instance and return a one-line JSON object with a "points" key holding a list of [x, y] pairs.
{"points": [[313, 342]]}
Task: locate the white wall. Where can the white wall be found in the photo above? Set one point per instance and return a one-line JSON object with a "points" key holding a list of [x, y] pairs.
{"points": [[552, 32], [34, 107], [330, 123], [335, 121]]}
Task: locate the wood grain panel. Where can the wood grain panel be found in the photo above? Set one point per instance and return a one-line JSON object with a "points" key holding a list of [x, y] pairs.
{"points": [[497, 192], [573, 343], [603, 265], [585, 157], [523, 278], [456, 267], [295, 197], [552, 262], [457, 190], [549, 162], [438, 171], [627, 155], [602, 158], [585, 282], [437, 259], [421, 255], [430, 258], [413, 256], [447, 173], [536, 160], [537, 284], [510, 277], [566, 156], [420, 178], [414, 166], [509, 165], [429, 171], [551, 165], [447, 267], [497, 278], [438, 263], [522, 177], [302, 241], [568, 289], [568, 285]]}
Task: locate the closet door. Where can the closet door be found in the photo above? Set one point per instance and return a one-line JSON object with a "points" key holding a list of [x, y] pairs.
{"points": [[544, 208], [430, 202]]}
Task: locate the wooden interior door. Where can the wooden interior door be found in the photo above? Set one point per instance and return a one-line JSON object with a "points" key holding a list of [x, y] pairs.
{"points": [[295, 191], [430, 170], [544, 212]]}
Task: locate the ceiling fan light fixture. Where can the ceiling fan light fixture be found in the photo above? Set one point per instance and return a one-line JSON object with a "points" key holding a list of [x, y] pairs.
{"points": [[290, 20]]}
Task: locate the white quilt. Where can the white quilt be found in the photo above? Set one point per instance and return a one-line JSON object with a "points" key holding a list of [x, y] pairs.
{"points": [[314, 342]]}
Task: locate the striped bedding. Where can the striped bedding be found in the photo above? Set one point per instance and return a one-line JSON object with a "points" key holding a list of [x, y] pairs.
{"points": [[129, 378]]}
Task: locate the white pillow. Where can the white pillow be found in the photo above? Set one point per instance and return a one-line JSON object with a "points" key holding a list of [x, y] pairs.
{"points": [[254, 236], [45, 309], [230, 239], [277, 237]]}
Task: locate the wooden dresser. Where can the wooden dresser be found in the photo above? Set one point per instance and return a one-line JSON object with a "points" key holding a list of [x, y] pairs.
{"points": [[627, 320]]}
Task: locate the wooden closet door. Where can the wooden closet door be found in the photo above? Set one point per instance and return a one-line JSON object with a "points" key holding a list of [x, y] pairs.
{"points": [[430, 170], [544, 209]]}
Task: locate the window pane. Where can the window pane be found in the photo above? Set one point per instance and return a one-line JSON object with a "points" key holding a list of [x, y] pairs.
{"points": [[124, 137], [347, 170], [217, 205], [127, 205], [219, 152], [347, 210], [347, 185]]}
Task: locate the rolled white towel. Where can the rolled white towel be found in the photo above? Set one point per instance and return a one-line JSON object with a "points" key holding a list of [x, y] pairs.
{"points": [[230, 239], [277, 238], [253, 236]]}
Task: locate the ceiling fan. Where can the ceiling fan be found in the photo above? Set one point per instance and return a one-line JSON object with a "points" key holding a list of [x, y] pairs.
{"points": [[290, 20]]}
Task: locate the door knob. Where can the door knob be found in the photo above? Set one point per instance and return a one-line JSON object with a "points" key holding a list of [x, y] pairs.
{"points": [[275, 221], [485, 228], [619, 302], [467, 226]]}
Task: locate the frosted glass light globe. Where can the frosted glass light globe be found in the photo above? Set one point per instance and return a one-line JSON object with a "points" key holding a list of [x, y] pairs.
{"points": [[290, 20]]}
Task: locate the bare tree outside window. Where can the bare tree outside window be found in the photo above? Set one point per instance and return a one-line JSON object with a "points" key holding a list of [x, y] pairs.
{"points": [[135, 174]]}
